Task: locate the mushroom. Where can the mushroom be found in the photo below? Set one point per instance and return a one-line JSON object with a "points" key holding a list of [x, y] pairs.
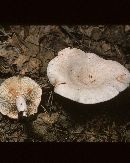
{"points": [[85, 77], [19, 94]]}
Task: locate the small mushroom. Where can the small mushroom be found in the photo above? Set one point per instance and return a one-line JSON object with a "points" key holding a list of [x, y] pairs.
{"points": [[19, 94], [85, 77]]}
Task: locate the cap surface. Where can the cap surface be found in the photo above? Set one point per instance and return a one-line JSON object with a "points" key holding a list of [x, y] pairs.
{"points": [[15, 87], [85, 77]]}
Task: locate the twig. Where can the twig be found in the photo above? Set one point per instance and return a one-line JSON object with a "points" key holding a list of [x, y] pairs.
{"points": [[50, 97], [43, 108]]}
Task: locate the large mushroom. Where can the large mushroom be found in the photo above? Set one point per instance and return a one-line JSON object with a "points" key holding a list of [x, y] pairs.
{"points": [[85, 77], [19, 94]]}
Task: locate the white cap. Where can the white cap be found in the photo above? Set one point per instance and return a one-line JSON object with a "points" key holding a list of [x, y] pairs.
{"points": [[16, 89], [85, 77]]}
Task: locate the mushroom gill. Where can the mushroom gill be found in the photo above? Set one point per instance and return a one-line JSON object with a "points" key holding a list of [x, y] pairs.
{"points": [[19, 94]]}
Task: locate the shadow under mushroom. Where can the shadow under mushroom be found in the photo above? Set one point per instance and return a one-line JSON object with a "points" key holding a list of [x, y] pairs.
{"points": [[117, 108]]}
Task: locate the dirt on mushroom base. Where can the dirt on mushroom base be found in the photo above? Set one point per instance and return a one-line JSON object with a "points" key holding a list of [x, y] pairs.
{"points": [[54, 122]]}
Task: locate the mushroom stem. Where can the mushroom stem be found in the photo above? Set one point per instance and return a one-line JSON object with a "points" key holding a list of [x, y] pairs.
{"points": [[21, 105]]}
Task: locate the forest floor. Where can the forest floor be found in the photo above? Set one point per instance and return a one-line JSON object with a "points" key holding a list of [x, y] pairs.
{"points": [[27, 50]]}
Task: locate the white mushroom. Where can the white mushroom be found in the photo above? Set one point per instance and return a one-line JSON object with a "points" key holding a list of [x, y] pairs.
{"points": [[85, 77], [19, 94]]}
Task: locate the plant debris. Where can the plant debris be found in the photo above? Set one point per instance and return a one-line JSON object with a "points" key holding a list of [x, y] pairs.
{"points": [[27, 50]]}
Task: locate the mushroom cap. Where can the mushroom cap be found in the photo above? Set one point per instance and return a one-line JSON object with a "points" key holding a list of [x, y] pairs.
{"points": [[19, 87], [85, 77]]}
